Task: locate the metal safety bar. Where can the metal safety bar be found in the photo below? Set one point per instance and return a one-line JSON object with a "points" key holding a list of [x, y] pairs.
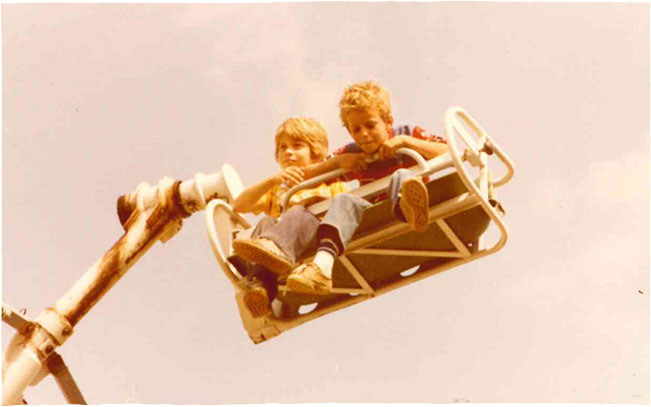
{"points": [[423, 167], [217, 244]]}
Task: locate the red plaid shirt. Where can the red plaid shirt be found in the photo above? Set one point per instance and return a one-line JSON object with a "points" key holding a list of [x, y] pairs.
{"points": [[381, 169]]}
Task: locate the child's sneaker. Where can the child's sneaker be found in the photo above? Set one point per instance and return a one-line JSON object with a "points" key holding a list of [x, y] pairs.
{"points": [[414, 203], [264, 252], [256, 300], [309, 280]]}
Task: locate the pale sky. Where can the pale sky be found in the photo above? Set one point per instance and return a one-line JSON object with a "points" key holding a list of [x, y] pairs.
{"points": [[97, 98]]}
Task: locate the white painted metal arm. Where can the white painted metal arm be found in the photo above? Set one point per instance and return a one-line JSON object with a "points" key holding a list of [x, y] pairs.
{"points": [[148, 215]]}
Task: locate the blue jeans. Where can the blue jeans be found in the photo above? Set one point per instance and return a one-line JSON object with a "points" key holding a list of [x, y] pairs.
{"points": [[345, 214]]}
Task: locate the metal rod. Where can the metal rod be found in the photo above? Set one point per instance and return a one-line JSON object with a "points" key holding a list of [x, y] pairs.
{"points": [[14, 319], [410, 253], [356, 274], [453, 237], [98, 280], [423, 167], [444, 209], [64, 380], [224, 239]]}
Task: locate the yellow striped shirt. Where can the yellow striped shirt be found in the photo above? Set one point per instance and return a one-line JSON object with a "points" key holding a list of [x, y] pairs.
{"points": [[271, 201]]}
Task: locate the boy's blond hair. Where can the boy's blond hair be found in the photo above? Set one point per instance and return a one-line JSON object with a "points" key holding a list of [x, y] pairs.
{"points": [[307, 130], [365, 96]]}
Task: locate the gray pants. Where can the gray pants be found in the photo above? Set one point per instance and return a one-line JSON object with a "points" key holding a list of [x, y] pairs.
{"points": [[345, 214], [292, 233]]}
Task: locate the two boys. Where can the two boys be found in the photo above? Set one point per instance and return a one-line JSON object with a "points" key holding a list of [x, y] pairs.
{"points": [[365, 111]]}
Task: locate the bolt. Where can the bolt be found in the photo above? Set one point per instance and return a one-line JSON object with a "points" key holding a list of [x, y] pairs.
{"points": [[49, 348], [67, 331]]}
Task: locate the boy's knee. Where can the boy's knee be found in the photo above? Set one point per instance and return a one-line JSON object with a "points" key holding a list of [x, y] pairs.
{"points": [[343, 198], [348, 201], [264, 224]]}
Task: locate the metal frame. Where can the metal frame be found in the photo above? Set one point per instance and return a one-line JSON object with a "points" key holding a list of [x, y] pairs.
{"points": [[148, 215], [476, 154]]}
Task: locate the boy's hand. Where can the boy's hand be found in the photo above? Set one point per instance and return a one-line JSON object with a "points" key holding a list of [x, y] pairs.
{"points": [[290, 176], [389, 147], [353, 161]]}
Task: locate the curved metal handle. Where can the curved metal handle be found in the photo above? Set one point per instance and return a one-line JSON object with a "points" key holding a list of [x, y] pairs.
{"points": [[450, 120], [420, 160], [213, 236], [422, 163]]}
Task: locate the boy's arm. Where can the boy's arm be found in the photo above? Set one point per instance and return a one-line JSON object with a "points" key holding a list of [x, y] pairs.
{"points": [[428, 149], [314, 170], [348, 161], [251, 198], [427, 146]]}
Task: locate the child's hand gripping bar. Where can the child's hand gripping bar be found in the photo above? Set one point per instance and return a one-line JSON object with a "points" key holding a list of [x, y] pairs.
{"points": [[422, 164]]}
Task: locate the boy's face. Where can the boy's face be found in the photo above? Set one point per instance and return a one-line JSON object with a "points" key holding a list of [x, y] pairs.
{"points": [[293, 153], [368, 129]]}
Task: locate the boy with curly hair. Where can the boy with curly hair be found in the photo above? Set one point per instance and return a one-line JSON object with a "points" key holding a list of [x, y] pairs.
{"points": [[365, 110]]}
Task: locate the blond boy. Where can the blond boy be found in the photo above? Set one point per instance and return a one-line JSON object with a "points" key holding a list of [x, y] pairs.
{"points": [[365, 110], [276, 243]]}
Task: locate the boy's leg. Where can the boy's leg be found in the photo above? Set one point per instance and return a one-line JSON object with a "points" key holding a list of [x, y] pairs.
{"points": [[335, 231], [294, 231], [262, 288], [409, 199], [395, 184], [340, 222], [276, 246], [265, 224]]}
